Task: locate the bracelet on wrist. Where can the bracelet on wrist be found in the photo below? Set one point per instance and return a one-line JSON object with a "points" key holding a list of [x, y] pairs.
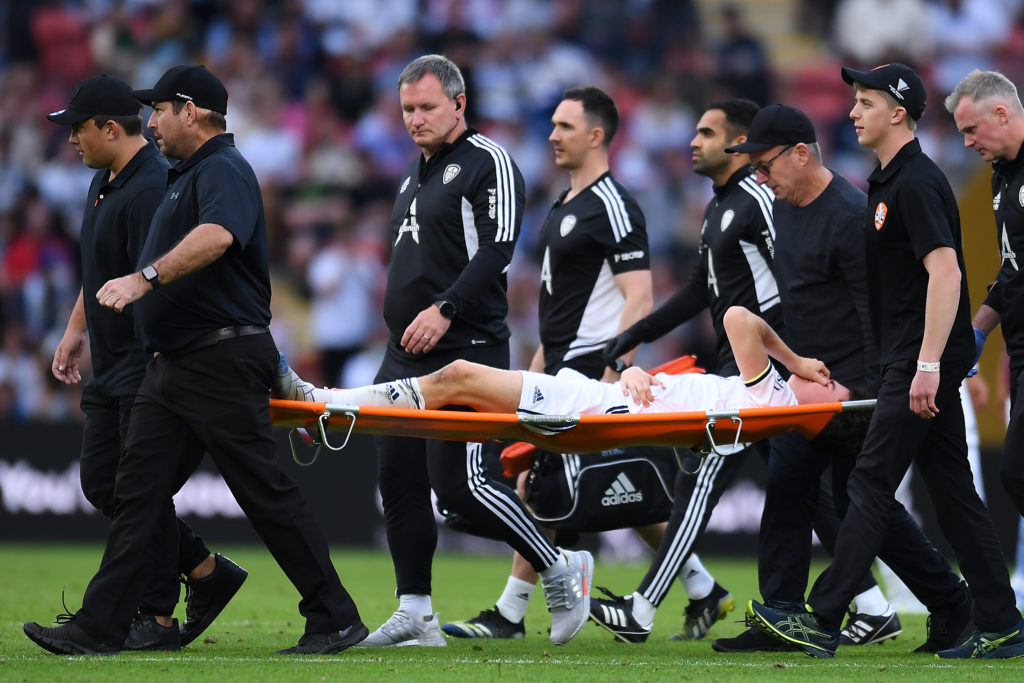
{"points": [[925, 366]]}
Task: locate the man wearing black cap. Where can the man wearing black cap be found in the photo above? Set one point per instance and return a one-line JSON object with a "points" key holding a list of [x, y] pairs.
{"points": [[917, 291], [202, 305], [819, 263], [130, 182]]}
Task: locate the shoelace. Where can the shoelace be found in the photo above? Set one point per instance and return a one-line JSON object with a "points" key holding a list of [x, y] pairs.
{"points": [[611, 596], [492, 613], [559, 592], [66, 617], [189, 592], [395, 625]]}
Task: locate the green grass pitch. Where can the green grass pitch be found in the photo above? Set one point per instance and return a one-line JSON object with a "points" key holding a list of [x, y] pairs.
{"points": [[264, 617]]}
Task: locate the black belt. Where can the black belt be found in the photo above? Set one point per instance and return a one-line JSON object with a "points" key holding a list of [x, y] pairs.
{"points": [[217, 336]]}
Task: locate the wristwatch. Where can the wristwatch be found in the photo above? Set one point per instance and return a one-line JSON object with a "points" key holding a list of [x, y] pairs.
{"points": [[152, 277], [447, 308]]}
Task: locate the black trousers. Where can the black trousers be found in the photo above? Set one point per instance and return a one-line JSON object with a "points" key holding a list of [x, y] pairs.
{"points": [[407, 469], [1011, 465], [784, 550], [213, 400], [800, 490], [896, 437], [797, 493], [104, 436]]}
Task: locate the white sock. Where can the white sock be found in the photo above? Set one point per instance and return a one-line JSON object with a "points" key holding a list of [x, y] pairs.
{"points": [[400, 393], [514, 599], [872, 601], [419, 606], [643, 611], [697, 581]]}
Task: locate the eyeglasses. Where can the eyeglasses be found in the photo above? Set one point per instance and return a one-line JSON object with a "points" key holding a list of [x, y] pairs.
{"points": [[766, 167]]}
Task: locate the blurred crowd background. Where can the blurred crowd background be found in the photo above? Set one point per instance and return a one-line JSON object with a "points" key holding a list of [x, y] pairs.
{"points": [[313, 105]]}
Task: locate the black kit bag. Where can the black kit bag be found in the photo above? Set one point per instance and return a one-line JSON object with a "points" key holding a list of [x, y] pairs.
{"points": [[613, 489]]}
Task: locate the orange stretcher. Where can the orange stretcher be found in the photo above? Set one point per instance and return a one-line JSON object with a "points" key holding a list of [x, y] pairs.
{"points": [[707, 429]]}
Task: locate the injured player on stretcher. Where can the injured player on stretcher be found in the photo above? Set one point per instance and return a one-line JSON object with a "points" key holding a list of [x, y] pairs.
{"points": [[494, 390]]}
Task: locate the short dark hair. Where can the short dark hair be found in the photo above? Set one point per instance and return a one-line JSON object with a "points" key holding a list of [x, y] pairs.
{"points": [[739, 114], [214, 119], [844, 434], [445, 69], [131, 124], [599, 107]]}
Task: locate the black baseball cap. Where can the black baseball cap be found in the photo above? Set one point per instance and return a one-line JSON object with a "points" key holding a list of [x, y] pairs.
{"points": [[188, 83], [776, 124], [95, 96], [896, 79]]}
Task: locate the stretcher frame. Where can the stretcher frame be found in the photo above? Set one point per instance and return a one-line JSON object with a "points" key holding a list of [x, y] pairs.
{"points": [[708, 430]]}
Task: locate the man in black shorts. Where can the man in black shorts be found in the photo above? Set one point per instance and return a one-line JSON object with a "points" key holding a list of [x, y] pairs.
{"points": [[920, 310], [202, 303], [128, 186]]}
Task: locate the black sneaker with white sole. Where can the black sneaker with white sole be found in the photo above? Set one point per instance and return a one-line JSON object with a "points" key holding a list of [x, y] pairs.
{"points": [[616, 616], [488, 624], [864, 629]]}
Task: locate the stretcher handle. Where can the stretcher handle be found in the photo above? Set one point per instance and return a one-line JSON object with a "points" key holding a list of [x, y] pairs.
{"points": [[321, 441], [710, 445], [322, 424], [300, 431]]}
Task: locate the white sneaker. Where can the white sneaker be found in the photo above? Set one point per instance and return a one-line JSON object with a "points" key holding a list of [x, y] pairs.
{"points": [[403, 629], [568, 595]]}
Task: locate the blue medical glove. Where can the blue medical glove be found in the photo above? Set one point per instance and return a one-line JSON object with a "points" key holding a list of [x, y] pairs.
{"points": [[979, 345]]}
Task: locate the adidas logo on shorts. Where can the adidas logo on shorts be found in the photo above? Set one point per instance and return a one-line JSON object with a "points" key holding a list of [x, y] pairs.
{"points": [[621, 492]]}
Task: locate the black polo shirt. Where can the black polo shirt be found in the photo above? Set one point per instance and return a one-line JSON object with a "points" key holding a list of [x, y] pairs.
{"points": [[214, 185], [819, 263], [114, 226], [911, 212]]}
